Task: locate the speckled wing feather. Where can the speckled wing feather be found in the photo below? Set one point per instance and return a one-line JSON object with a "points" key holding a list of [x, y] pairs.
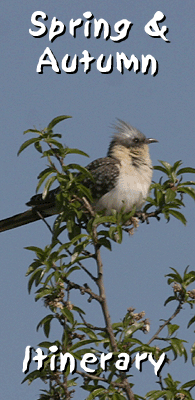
{"points": [[105, 172]]}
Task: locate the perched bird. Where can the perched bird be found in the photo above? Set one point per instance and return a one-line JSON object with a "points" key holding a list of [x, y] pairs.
{"points": [[121, 179]]}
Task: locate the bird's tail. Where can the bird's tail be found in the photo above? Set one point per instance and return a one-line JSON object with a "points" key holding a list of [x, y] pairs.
{"points": [[18, 220], [34, 214]]}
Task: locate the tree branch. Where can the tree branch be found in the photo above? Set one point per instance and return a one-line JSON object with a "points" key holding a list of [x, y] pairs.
{"points": [[155, 336]]}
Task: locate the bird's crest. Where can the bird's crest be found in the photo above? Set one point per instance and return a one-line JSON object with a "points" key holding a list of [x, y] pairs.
{"points": [[123, 130], [125, 135]]}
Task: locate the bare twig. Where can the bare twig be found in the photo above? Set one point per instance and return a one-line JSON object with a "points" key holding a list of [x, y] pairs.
{"points": [[155, 336], [102, 293], [83, 289], [90, 326]]}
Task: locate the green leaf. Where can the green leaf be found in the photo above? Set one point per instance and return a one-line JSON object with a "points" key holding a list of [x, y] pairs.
{"points": [[46, 344], [170, 195], [178, 215], [187, 190], [151, 200], [79, 310], [146, 208], [26, 144], [89, 332], [80, 353], [57, 135], [159, 168], [112, 231], [76, 151], [45, 322], [172, 328], [176, 165], [56, 120], [36, 277], [178, 347], [55, 143], [34, 265], [117, 325], [156, 394], [37, 250], [67, 313], [38, 147], [119, 234], [82, 343], [72, 382], [117, 396], [105, 242], [71, 270], [85, 192], [193, 354], [104, 219], [192, 320], [158, 196], [175, 277], [187, 183], [77, 238], [189, 277], [171, 298], [96, 393], [81, 169], [186, 170], [32, 376], [47, 186], [42, 293], [43, 175], [32, 131], [188, 384], [166, 165]]}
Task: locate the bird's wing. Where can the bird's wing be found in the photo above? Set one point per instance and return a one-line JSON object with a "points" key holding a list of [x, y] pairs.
{"points": [[105, 172]]}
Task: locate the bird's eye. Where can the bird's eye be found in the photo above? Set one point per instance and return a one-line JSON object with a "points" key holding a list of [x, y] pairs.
{"points": [[136, 140]]}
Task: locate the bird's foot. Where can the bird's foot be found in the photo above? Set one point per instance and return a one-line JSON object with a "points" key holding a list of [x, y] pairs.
{"points": [[132, 221]]}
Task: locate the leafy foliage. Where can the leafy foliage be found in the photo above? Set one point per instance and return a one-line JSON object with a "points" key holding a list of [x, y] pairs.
{"points": [[78, 234], [168, 194]]}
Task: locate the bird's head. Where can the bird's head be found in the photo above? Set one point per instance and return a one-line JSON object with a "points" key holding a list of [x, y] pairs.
{"points": [[127, 138]]}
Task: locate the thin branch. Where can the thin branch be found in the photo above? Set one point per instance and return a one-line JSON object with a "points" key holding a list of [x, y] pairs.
{"points": [[125, 384], [90, 326], [102, 293], [155, 336], [46, 223], [86, 375], [83, 289], [160, 382], [82, 267], [144, 216]]}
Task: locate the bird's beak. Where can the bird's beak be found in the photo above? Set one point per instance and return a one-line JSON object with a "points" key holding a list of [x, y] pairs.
{"points": [[150, 140]]}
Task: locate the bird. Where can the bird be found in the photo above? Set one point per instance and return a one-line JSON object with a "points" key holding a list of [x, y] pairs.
{"points": [[121, 180]]}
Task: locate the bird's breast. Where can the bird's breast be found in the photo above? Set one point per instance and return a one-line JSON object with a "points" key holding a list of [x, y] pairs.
{"points": [[131, 189]]}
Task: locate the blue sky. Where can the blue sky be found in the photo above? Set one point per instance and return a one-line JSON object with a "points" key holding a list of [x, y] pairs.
{"points": [[161, 107]]}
